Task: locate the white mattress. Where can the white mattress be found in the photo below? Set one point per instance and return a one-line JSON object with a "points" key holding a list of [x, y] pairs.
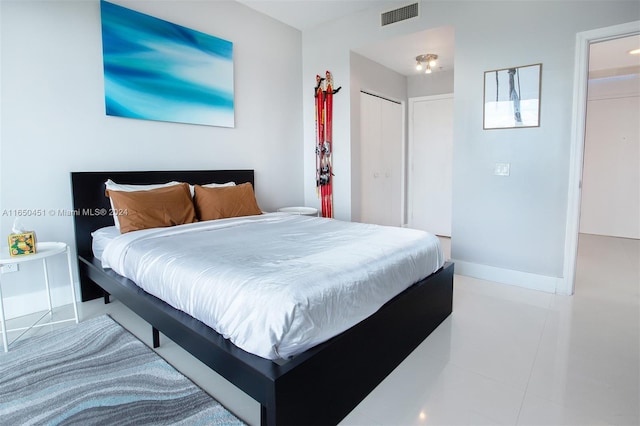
{"points": [[275, 284]]}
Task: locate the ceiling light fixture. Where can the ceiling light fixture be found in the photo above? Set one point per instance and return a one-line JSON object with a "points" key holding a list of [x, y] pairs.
{"points": [[634, 52], [428, 61]]}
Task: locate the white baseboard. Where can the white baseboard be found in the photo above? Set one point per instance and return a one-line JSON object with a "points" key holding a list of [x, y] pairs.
{"points": [[28, 303], [508, 276]]}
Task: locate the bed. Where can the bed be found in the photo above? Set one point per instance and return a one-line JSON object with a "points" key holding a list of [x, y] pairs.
{"points": [[319, 385]]}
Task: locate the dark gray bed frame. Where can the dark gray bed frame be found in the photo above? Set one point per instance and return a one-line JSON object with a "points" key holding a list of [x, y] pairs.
{"points": [[317, 387]]}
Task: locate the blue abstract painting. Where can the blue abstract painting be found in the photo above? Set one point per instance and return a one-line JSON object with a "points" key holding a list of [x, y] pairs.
{"points": [[157, 70]]}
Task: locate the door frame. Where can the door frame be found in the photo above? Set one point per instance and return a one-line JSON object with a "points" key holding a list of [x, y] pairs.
{"points": [[576, 155], [410, 142]]}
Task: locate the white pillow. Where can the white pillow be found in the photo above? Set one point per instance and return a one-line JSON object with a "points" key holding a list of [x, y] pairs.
{"points": [[102, 237], [112, 186], [211, 185]]}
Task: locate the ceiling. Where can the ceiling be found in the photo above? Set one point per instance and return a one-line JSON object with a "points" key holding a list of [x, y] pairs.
{"points": [[614, 54], [307, 14], [399, 53]]}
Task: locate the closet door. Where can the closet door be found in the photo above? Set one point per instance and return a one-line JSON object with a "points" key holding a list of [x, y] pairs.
{"points": [[381, 161], [430, 163]]}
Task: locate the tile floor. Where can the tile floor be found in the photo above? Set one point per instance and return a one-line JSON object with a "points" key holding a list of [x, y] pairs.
{"points": [[506, 355], [520, 357]]}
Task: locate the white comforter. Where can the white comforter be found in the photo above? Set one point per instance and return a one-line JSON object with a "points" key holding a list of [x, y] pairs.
{"points": [[275, 284]]}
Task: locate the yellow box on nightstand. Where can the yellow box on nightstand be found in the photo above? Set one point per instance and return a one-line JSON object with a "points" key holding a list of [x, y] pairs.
{"points": [[21, 244]]}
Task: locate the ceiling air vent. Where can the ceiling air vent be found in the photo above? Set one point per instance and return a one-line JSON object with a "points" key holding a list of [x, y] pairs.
{"points": [[400, 14]]}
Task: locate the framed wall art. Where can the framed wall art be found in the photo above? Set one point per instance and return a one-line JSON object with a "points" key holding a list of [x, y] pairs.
{"points": [[512, 97], [157, 70]]}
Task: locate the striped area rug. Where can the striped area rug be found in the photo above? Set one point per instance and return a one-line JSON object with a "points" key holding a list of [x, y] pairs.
{"points": [[97, 373]]}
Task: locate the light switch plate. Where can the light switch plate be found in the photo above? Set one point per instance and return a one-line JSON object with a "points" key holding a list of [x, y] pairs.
{"points": [[502, 169]]}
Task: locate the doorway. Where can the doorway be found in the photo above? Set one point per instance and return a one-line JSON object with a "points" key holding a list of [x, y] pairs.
{"points": [[583, 42], [610, 202], [430, 164]]}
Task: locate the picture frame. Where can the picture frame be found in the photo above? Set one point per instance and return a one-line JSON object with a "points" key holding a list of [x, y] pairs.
{"points": [[161, 71], [512, 97]]}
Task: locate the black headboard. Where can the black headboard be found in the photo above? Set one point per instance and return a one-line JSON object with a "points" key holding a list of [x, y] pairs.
{"points": [[89, 194]]}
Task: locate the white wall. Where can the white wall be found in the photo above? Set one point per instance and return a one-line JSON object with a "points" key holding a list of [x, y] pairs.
{"points": [[611, 171], [53, 116], [436, 83], [500, 225]]}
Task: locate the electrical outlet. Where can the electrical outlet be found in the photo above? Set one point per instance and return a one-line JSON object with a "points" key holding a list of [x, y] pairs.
{"points": [[9, 267]]}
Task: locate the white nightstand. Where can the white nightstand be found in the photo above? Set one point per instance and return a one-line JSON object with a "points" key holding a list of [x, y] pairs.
{"points": [[305, 211], [43, 251]]}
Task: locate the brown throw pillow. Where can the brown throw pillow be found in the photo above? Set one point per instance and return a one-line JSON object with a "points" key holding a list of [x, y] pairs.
{"points": [[154, 208], [224, 202]]}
